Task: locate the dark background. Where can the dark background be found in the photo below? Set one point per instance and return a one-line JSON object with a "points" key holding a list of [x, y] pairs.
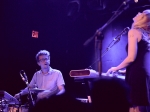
{"points": [[63, 26]]}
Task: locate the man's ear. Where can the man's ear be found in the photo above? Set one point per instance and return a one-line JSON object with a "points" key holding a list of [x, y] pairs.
{"points": [[38, 63]]}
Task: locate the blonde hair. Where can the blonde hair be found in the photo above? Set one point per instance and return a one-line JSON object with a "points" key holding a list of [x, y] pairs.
{"points": [[144, 26], [144, 22]]}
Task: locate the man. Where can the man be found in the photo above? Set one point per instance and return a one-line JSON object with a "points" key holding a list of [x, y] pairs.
{"points": [[48, 79]]}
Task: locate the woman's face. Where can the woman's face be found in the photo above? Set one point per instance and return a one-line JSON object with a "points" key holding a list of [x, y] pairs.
{"points": [[139, 17]]}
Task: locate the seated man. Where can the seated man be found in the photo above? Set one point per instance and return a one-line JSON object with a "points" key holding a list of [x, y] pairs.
{"points": [[48, 79]]}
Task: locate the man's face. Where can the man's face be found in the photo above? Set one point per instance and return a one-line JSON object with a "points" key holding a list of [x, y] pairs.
{"points": [[44, 61]]}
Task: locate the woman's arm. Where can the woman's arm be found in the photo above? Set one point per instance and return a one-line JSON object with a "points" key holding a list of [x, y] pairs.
{"points": [[134, 36]]}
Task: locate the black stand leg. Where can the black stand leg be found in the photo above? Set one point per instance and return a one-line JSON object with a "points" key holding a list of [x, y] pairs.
{"points": [[88, 89], [31, 98], [1, 105], [98, 50]]}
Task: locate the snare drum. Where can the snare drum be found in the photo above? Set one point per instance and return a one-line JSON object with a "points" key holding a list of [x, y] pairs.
{"points": [[3, 107], [13, 108], [24, 108], [16, 108]]}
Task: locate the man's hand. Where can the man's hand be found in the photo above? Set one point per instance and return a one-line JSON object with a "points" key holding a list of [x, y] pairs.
{"points": [[43, 94], [17, 96]]}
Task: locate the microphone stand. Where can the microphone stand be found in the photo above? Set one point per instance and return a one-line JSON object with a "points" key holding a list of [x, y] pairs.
{"points": [[110, 46], [30, 94], [112, 43], [25, 79], [99, 32], [115, 41]]}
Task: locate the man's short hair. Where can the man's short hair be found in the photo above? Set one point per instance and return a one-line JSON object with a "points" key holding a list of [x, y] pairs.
{"points": [[42, 52]]}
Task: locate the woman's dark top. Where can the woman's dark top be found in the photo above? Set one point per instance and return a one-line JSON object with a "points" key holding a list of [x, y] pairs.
{"points": [[138, 76]]}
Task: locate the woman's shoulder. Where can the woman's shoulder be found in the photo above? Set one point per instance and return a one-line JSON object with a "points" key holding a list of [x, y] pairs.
{"points": [[135, 31]]}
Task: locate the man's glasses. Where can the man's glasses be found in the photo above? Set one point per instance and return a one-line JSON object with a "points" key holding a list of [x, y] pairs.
{"points": [[44, 59]]}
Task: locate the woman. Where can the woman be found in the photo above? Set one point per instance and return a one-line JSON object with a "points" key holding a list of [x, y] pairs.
{"points": [[137, 62]]}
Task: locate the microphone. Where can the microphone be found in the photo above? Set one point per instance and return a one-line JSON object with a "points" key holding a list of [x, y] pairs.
{"points": [[24, 76], [123, 32], [131, 1], [136, 1], [126, 2]]}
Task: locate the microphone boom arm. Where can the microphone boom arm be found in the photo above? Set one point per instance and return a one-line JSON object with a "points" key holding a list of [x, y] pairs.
{"points": [[99, 31]]}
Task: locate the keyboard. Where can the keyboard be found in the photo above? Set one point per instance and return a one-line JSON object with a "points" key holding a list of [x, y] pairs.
{"points": [[90, 73]]}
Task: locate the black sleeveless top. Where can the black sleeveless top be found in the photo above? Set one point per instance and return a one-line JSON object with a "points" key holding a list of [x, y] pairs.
{"points": [[138, 76]]}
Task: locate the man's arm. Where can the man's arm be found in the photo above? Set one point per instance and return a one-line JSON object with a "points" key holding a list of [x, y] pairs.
{"points": [[25, 91], [61, 90], [48, 93], [60, 84], [31, 85]]}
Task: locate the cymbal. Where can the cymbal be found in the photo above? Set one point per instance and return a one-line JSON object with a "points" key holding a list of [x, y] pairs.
{"points": [[36, 90]]}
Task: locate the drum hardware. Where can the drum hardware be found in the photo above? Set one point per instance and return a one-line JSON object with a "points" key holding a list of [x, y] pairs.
{"points": [[5, 100], [18, 108], [25, 79], [3, 105]]}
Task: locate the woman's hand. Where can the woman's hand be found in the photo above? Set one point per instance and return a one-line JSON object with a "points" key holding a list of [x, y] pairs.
{"points": [[112, 70]]}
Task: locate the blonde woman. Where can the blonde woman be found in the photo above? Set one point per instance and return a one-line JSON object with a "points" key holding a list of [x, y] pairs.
{"points": [[137, 62]]}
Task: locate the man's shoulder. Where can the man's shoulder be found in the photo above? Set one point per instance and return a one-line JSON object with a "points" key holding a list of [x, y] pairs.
{"points": [[37, 72], [55, 71]]}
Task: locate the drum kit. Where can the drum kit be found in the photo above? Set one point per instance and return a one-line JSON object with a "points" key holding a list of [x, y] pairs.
{"points": [[8, 103]]}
